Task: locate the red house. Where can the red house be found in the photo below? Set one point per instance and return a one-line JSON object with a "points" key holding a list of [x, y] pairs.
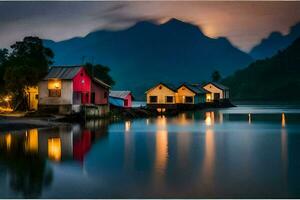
{"points": [[121, 98], [67, 88]]}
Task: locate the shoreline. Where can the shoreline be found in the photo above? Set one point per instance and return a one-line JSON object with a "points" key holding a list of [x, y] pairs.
{"points": [[8, 123], [30, 120]]}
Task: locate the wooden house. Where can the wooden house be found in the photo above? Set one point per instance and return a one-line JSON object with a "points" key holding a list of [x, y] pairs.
{"points": [[190, 94], [216, 91], [66, 89], [161, 96], [121, 98]]}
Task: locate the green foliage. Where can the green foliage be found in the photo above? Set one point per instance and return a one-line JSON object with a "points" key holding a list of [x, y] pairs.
{"points": [[3, 60], [27, 64], [275, 78], [101, 72], [216, 76]]}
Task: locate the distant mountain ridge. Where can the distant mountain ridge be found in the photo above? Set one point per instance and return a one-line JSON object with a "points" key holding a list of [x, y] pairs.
{"points": [[275, 78], [147, 53], [274, 42]]}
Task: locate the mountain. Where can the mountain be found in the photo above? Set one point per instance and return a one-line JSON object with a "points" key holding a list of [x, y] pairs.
{"points": [[275, 42], [147, 53], [275, 78]]}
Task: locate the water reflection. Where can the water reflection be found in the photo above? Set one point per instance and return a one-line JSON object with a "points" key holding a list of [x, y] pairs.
{"points": [[207, 154], [208, 166], [283, 120], [249, 118], [27, 172], [25, 154]]}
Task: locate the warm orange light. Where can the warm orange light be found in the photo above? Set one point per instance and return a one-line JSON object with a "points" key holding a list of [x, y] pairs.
{"points": [[8, 141], [54, 149], [161, 122], [283, 120], [31, 143], [209, 118], [54, 84], [208, 97], [127, 126], [161, 155]]}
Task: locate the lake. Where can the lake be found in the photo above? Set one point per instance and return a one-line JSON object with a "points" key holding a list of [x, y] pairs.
{"points": [[249, 151]]}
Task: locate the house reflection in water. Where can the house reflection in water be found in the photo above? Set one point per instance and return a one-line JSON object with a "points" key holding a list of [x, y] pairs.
{"points": [[31, 141], [57, 144]]}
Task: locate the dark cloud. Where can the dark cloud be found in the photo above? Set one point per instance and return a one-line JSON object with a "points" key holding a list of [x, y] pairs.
{"points": [[244, 23]]}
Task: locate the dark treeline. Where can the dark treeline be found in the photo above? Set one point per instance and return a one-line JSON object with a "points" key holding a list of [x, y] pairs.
{"points": [[275, 78]]}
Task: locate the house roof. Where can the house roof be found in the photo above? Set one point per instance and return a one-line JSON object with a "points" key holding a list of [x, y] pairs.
{"points": [[101, 82], [119, 94], [63, 72], [169, 86], [218, 85], [194, 88]]}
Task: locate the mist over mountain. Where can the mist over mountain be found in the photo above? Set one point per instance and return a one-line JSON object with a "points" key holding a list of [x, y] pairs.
{"points": [[147, 53], [275, 42]]}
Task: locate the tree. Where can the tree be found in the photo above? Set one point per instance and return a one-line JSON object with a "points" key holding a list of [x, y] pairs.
{"points": [[27, 64], [216, 76], [101, 72], [3, 60]]}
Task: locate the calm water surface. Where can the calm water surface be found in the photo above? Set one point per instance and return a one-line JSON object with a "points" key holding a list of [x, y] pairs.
{"points": [[242, 152]]}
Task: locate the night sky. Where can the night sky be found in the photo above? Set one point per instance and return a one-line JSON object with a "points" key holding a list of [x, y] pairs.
{"points": [[243, 23]]}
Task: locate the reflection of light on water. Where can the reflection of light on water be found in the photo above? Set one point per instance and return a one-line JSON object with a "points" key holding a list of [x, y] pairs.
{"points": [[283, 120], [127, 126], [209, 157], [8, 141], [249, 118], [147, 121], [161, 122], [54, 149], [161, 156], [31, 142], [221, 117], [209, 118], [284, 149], [182, 119]]}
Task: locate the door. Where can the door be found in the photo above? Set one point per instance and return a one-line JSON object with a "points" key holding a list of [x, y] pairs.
{"points": [[85, 98], [216, 96], [126, 102]]}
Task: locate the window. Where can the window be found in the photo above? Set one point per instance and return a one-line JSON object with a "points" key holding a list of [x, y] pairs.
{"points": [[105, 95], [169, 99], [188, 99], [54, 92], [36, 96], [93, 97], [153, 99]]}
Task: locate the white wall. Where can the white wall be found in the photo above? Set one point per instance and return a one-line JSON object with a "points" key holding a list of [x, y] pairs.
{"points": [[66, 97], [213, 89]]}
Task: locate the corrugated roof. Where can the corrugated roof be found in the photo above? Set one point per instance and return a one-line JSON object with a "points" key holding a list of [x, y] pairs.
{"points": [[101, 82], [218, 85], [195, 88], [62, 72], [119, 94]]}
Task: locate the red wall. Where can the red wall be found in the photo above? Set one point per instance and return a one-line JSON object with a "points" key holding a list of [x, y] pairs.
{"points": [[129, 98], [82, 83], [100, 93]]}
